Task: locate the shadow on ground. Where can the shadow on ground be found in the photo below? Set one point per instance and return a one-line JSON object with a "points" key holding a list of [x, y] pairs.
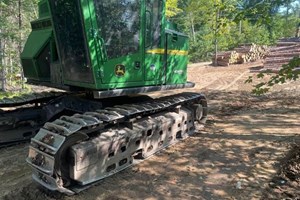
{"points": [[234, 157]]}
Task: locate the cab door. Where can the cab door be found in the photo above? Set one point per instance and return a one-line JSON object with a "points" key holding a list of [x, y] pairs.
{"points": [[176, 58], [120, 44], [154, 42]]}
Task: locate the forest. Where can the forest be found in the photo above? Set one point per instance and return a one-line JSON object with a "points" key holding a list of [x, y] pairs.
{"points": [[230, 23], [213, 25]]}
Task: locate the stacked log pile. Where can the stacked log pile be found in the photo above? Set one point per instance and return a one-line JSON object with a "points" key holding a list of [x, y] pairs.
{"points": [[253, 52], [242, 54], [281, 54], [226, 58]]}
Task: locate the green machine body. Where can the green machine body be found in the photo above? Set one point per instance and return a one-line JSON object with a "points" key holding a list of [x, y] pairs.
{"points": [[98, 45]]}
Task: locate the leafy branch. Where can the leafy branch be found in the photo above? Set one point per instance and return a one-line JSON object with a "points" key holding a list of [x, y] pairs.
{"points": [[288, 72]]}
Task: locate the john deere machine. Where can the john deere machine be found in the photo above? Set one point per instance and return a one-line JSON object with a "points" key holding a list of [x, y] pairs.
{"points": [[104, 54]]}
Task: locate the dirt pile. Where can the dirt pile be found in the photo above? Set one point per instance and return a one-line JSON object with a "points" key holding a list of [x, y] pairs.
{"points": [[287, 183]]}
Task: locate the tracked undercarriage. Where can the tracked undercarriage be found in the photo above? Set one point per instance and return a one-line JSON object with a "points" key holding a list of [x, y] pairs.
{"points": [[76, 151], [22, 117]]}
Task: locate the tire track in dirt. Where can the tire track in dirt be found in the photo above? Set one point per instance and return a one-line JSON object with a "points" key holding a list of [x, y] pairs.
{"points": [[228, 86]]}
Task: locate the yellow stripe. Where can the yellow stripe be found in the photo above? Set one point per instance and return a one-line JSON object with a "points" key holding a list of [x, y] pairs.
{"points": [[170, 52]]}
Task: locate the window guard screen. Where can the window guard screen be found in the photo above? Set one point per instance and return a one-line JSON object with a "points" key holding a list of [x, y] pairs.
{"points": [[119, 22]]}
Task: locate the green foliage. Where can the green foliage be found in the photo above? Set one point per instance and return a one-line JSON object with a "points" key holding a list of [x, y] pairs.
{"points": [[10, 94], [172, 8], [289, 72], [201, 49], [253, 34], [283, 28], [232, 23], [235, 22], [15, 17], [6, 94]]}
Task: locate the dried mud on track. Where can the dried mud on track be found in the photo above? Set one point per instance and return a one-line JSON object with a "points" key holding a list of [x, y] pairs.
{"points": [[242, 153]]}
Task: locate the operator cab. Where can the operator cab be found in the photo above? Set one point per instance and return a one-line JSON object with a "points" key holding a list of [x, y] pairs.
{"points": [[106, 44]]}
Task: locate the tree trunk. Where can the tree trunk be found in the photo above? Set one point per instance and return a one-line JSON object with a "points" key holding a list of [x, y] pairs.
{"points": [[193, 27], [20, 40], [20, 26], [287, 12], [2, 72], [216, 37], [1, 62]]}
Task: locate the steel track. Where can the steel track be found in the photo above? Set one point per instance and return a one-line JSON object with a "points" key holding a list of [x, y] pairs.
{"points": [[32, 98], [49, 153], [32, 111], [21, 117]]}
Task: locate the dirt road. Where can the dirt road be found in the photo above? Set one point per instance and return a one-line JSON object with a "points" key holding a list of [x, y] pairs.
{"points": [[234, 157]]}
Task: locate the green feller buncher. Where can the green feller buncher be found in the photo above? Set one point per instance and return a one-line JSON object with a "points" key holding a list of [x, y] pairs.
{"points": [[104, 54]]}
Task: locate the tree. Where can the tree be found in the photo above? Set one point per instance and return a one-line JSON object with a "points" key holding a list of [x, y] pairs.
{"points": [[284, 26], [288, 72], [204, 21], [172, 8], [238, 22], [14, 30]]}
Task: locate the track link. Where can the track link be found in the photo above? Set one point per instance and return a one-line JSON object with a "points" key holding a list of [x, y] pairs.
{"points": [[76, 151], [31, 98], [21, 117]]}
